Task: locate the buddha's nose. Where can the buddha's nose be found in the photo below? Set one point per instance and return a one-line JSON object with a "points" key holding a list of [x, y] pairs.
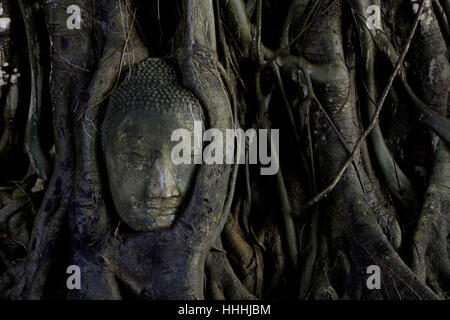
{"points": [[162, 181]]}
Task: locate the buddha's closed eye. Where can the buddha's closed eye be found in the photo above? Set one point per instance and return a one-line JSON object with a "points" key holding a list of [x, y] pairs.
{"points": [[132, 160]]}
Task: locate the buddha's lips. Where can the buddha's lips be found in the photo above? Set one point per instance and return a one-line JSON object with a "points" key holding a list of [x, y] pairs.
{"points": [[163, 206]]}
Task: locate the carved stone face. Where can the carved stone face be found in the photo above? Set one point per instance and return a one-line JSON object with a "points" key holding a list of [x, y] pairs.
{"points": [[148, 190]]}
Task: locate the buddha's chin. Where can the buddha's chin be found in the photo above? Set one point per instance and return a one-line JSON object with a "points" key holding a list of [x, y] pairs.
{"points": [[151, 219], [162, 221], [153, 216]]}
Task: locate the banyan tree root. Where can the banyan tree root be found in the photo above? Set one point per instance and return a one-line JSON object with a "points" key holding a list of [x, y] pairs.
{"points": [[361, 230], [168, 264], [38, 159], [88, 217], [397, 182], [64, 90], [73, 59], [431, 258]]}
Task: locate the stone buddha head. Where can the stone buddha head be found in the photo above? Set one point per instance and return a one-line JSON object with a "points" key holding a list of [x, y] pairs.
{"points": [[148, 190]]}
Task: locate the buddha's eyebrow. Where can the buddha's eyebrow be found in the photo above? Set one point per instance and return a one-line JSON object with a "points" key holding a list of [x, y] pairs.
{"points": [[135, 144], [129, 139], [131, 133]]}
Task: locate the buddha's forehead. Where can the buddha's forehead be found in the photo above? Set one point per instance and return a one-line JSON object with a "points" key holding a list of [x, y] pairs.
{"points": [[147, 127], [166, 122]]}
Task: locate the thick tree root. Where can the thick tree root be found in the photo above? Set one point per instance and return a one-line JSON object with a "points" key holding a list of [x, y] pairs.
{"points": [[36, 154]]}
